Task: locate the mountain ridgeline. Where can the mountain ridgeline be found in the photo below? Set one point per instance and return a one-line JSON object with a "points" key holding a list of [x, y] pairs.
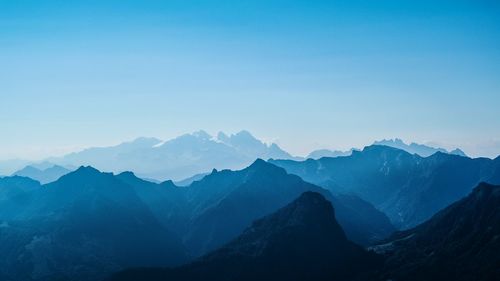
{"points": [[89, 224], [301, 241], [325, 219], [178, 158], [211, 211], [406, 187], [83, 226], [182, 157], [46, 175], [461, 242], [419, 149]]}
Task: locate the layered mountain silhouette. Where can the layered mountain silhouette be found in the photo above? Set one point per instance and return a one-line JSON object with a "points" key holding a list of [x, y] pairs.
{"points": [[415, 148], [15, 194], [412, 148], [83, 226], [178, 158], [88, 223], [407, 187], [461, 242], [212, 211], [46, 175], [301, 241]]}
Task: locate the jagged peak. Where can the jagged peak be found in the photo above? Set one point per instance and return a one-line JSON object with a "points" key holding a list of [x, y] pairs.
{"points": [[459, 152], [127, 174], [168, 183], [260, 163], [261, 166], [309, 210], [84, 171], [391, 141]]}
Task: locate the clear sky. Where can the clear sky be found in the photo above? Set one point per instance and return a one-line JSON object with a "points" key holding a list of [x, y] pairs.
{"points": [[306, 74]]}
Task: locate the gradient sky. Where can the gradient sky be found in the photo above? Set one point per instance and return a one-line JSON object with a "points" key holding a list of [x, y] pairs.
{"points": [[305, 74]]}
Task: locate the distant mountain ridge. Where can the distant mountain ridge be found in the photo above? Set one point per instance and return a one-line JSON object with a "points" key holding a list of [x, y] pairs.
{"points": [[407, 187], [412, 148], [178, 158], [88, 224], [45, 175], [320, 153], [415, 148], [191, 154]]}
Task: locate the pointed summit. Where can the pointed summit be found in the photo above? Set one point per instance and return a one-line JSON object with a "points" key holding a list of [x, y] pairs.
{"points": [[261, 165], [83, 174], [86, 170], [309, 219], [459, 152], [301, 241]]}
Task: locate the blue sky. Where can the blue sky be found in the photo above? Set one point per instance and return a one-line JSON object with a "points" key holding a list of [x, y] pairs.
{"points": [[306, 74]]}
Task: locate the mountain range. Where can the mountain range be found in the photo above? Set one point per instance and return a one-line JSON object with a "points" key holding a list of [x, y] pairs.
{"points": [[83, 226], [46, 175], [301, 241], [408, 188], [215, 209], [415, 148], [179, 158], [412, 148], [260, 221], [461, 242], [183, 157], [88, 224]]}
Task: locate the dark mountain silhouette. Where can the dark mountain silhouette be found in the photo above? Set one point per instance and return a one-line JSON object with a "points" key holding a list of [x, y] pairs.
{"points": [[214, 210], [82, 227], [167, 201], [88, 223], [461, 242], [46, 175], [301, 241], [415, 148], [15, 193], [408, 188]]}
